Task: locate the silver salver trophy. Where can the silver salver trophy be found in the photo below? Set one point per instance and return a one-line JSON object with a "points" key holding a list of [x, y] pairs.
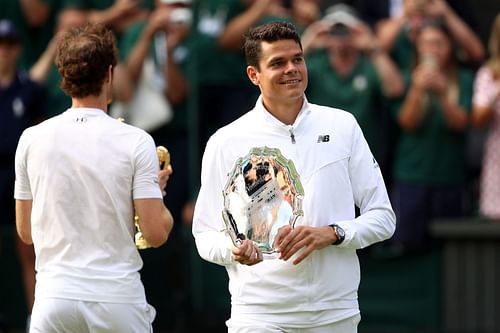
{"points": [[262, 194]]}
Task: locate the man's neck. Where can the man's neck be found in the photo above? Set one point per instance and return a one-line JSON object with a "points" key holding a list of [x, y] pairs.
{"points": [[284, 112], [95, 102]]}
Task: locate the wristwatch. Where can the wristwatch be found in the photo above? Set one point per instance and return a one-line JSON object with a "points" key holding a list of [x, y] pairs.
{"points": [[339, 232]]}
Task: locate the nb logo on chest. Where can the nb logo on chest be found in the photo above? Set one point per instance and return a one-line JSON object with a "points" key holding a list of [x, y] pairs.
{"points": [[323, 138]]}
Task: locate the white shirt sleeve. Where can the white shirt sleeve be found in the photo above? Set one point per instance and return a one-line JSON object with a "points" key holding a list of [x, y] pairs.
{"points": [[22, 187], [377, 220], [212, 242], [146, 165]]}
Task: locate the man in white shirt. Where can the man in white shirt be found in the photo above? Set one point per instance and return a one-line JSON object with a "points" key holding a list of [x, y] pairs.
{"points": [[79, 178], [313, 284]]}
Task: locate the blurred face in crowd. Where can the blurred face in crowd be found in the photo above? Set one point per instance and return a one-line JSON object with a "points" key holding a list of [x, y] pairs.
{"points": [[281, 74], [433, 42], [341, 41], [9, 53]]}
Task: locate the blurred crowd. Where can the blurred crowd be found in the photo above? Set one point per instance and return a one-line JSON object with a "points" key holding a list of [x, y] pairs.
{"points": [[414, 73]]}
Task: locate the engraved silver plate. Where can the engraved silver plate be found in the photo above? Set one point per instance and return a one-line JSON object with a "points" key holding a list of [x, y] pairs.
{"points": [[262, 194]]}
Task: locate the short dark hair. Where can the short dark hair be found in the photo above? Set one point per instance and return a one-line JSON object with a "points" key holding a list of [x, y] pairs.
{"points": [[83, 58], [270, 32]]}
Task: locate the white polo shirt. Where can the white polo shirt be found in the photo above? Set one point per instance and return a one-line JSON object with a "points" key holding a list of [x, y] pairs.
{"points": [[82, 169]]}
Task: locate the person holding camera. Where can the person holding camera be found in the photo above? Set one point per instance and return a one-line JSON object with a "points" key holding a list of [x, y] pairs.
{"points": [[397, 34], [429, 168], [348, 70]]}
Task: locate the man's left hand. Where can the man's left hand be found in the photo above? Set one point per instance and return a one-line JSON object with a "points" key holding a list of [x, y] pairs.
{"points": [[290, 240]]}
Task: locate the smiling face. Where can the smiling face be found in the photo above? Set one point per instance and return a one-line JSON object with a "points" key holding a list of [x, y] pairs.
{"points": [[281, 74]]}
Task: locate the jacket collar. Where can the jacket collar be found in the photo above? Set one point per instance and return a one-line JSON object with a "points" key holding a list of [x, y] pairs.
{"points": [[270, 119]]}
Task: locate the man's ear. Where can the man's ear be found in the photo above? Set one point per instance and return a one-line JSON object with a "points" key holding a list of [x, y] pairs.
{"points": [[110, 74], [252, 73]]}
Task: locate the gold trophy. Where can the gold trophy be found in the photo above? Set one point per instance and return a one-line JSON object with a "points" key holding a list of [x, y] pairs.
{"points": [[164, 159]]}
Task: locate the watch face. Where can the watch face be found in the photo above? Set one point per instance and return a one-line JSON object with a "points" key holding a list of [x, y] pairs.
{"points": [[340, 232]]}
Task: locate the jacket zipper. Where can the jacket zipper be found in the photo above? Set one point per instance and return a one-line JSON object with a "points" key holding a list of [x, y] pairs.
{"points": [[292, 135]]}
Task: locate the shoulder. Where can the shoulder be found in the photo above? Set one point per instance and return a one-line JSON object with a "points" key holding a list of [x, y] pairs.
{"points": [[484, 73], [325, 113]]}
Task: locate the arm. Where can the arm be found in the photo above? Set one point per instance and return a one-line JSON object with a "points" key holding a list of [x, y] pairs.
{"points": [[122, 85], [120, 12], [486, 95], [177, 87], [36, 12], [157, 21], [23, 220], [376, 223], [460, 31], [390, 77], [412, 110], [455, 116], [213, 244], [387, 32], [315, 36], [232, 37], [155, 221], [40, 70]]}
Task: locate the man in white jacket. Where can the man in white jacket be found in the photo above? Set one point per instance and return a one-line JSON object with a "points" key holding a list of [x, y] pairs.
{"points": [[312, 286]]}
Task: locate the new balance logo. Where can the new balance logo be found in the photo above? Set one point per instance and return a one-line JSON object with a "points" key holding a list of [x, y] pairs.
{"points": [[323, 138]]}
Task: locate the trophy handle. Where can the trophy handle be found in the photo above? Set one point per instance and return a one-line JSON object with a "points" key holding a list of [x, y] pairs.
{"points": [[164, 160]]}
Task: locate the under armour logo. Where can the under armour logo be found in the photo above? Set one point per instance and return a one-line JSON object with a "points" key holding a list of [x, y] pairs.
{"points": [[323, 138], [80, 119]]}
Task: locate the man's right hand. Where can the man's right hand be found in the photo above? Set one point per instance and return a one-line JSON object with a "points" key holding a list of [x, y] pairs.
{"points": [[163, 177], [247, 253]]}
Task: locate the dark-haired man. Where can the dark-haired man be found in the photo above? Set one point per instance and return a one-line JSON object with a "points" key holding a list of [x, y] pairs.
{"points": [[78, 177], [313, 285]]}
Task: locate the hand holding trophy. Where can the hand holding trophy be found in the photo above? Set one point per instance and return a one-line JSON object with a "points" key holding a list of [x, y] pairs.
{"points": [[164, 160]]}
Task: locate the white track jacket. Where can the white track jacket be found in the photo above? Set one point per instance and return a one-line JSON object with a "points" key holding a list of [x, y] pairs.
{"points": [[337, 171]]}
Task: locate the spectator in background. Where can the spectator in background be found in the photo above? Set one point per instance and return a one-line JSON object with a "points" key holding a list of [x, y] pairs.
{"points": [[115, 14], [348, 70], [22, 104], [373, 12], [156, 53], [220, 90], [486, 111], [45, 72], [397, 35], [429, 166], [29, 17]]}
